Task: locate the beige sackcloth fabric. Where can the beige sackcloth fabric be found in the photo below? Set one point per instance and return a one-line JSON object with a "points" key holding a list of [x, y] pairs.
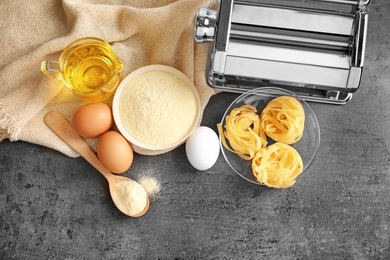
{"points": [[141, 32]]}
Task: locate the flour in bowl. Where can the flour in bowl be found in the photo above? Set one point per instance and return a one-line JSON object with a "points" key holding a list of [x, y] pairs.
{"points": [[158, 108]]}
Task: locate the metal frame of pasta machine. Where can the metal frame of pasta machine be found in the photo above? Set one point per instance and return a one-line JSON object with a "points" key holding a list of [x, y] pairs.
{"points": [[318, 53]]}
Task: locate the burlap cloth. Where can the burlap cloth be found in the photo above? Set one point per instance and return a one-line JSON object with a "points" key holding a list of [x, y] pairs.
{"points": [[141, 32]]}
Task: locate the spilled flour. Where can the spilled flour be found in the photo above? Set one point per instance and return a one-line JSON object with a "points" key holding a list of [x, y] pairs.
{"points": [[151, 185]]}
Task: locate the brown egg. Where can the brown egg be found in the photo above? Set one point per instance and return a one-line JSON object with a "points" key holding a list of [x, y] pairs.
{"points": [[114, 152], [93, 119]]}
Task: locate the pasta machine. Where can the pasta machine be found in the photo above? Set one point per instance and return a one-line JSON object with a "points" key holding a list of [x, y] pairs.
{"points": [[314, 48]]}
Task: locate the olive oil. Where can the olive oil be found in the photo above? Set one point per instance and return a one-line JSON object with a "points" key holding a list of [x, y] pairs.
{"points": [[89, 67]]}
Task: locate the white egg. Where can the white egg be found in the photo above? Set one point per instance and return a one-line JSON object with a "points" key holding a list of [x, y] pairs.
{"points": [[202, 148]]}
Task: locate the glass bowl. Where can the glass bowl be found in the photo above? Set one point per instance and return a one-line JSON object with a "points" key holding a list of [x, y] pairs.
{"points": [[307, 146]]}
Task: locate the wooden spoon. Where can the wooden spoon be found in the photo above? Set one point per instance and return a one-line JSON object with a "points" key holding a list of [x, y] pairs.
{"points": [[60, 126]]}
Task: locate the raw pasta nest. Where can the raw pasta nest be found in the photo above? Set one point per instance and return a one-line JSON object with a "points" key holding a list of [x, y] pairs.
{"points": [[243, 132], [283, 119], [277, 166]]}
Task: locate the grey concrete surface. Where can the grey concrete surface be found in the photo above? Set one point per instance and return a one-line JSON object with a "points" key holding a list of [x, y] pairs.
{"points": [[55, 207]]}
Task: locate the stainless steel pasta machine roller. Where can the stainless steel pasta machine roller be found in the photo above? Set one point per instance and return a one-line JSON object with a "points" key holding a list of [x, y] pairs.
{"points": [[313, 48]]}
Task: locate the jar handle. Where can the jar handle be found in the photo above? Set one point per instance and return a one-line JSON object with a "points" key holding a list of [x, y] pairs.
{"points": [[50, 68]]}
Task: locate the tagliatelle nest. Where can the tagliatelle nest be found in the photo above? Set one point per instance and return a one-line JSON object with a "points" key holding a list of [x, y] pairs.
{"points": [[277, 166], [283, 119], [244, 132]]}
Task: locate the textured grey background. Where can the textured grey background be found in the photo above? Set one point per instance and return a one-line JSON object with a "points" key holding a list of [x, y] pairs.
{"points": [[55, 207]]}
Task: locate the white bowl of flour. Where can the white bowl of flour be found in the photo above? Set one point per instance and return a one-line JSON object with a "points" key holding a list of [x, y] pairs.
{"points": [[156, 108]]}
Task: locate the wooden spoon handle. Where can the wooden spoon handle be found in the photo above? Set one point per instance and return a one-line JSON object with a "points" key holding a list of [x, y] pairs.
{"points": [[62, 128]]}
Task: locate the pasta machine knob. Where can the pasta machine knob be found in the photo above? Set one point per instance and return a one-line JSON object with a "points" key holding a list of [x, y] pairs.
{"points": [[205, 26]]}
